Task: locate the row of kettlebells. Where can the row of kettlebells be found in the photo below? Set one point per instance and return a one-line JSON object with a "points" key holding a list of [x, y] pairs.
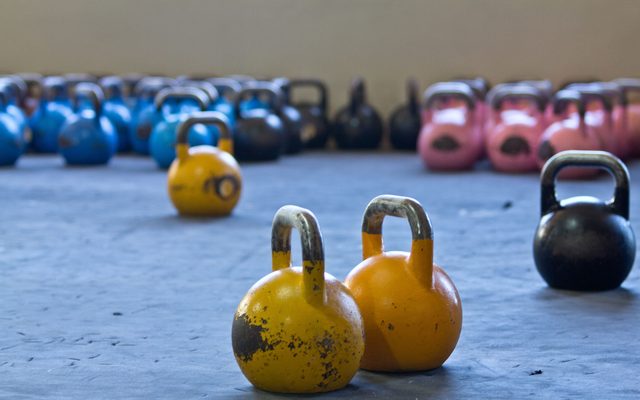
{"points": [[301, 330], [517, 125]]}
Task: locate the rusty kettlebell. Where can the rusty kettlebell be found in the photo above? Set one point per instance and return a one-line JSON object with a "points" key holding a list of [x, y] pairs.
{"points": [[411, 309], [582, 243], [298, 329]]}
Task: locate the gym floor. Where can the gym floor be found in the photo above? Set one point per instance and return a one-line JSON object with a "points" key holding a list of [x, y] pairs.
{"points": [[106, 293]]}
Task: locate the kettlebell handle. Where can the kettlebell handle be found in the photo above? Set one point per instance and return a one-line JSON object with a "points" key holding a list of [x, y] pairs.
{"points": [[442, 89], [613, 91], [315, 84], [50, 84], [479, 86], [305, 222], [112, 86], [412, 96], [225, 143], [151, 85], [191, 93], [565, 97], [627, 85], [357, 94], [91, 91], [421, 256], [206, 87], [619, 204], [590, 91], [255, 88], [17, 86], [225, 85], [518, 91]]}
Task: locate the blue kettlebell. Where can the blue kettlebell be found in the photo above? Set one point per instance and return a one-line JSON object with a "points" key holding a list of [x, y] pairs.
{"points": [[52, 112], [163, 137], [88, 137], [16, 89], [11, 140], [227, 89], [144, 117], [115, 109], [130, 81], [212, 94]]}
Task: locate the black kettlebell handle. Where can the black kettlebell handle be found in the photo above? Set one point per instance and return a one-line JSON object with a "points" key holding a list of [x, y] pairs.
{"points": [[206, 87], [225, 85], [315, 84], [256, 88], [285, 87], [287, 218], [520, 91], [619, 204], [357, 95], [565, 97], [206, 118], [112, 86], [412, 96], [590, 91], [186, 92], [442, 89], [91, 91]]}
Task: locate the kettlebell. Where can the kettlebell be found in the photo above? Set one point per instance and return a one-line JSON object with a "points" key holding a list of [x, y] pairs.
{"points": [[259, 133], [480, 88], [357, 125], [411, 309], [291, 118], [629, 87], [313, 114], [53, 111], [163, 137], [298, 329], [213, 95], [116, 110], [87, 137], [204, 180], [75, 78], [582, 243], [227, 89], [619, 115], [516, 128], [11, 139], [450, 138], [144, 117], [16, 90], [569, 132], [404, 123], [130, 81]]}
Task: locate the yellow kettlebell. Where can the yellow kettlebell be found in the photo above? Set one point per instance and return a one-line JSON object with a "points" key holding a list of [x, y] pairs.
{"points": [[411, 308], [204, 180], [298, 329]]}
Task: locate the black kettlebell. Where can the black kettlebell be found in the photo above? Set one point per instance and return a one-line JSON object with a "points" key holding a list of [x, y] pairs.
{"points": [[405, 122], [582, 243], [291, 118], [259, 133], [314, 120], [357, 125]]}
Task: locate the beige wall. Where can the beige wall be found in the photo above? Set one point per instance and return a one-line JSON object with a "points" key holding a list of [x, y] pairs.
{"points": [[384, 40]]}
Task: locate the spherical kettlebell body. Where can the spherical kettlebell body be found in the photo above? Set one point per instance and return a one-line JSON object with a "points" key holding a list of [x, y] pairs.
{"points": [[204, 180], [405, 123], [11, 141], [48, 119], [87, 137], [582, 243], [162, 142], [357, 125], [259, 133], [298, 330], [411, 309]]}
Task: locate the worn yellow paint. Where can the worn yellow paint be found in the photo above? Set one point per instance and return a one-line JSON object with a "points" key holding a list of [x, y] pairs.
{"points": [[193, 176], [285, 343], [411, 308]]}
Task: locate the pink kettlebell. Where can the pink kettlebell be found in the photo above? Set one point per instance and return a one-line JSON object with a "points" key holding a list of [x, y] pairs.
{"points": [[480, 87], [546, 88], [449, 138], [515, 133], [599, 114], [618, 115], [628, 86], [570, 132]]}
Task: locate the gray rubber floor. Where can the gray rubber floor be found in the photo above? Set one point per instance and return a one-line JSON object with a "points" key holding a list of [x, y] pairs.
{"points": [[105, 293]]}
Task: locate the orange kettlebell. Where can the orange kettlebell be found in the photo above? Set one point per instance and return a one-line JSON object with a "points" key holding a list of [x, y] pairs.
{"points": [[411, 309]]}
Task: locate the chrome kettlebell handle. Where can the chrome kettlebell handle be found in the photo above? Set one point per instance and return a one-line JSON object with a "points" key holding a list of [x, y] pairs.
{"points": [[287, 218], [91, 91], [565, 97], [272, 91], [591, 91], [516, 90], [619, 204], [216, 118], [187, 92], [442, 89]]}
